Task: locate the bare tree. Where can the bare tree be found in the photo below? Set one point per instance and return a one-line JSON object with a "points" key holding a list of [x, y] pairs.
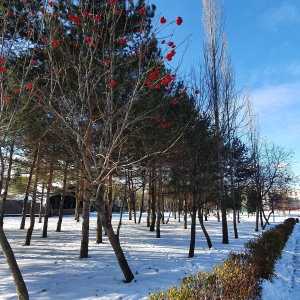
{"points": [[270, 165], [215, 62]]}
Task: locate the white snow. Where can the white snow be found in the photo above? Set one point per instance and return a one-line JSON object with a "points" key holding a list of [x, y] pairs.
{"points": [[52, 270]]}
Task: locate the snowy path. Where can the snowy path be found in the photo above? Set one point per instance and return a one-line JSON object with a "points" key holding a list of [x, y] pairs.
{"points": [[286, 283]]}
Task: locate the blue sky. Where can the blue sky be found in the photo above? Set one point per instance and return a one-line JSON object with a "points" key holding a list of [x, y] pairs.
{"points": [[264, 46]]}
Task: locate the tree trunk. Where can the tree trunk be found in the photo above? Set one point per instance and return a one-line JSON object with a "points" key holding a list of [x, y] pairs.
{"points": [[78, 198], [25, 201], [8, 178], [149, 198], [49, 185], [185, 211], [132, 196], [1, 168], [113, 238], [206, 211], [84, 249], [32, 217], [143, 196], [41, 203], [99, 235], [153, 201], [13, 266], [121, 215], [200, 216], [159, 202], [62, 199], [175, 208], [193, 228], [179, 208], [233, 202], [129, 197], [256, 218]]}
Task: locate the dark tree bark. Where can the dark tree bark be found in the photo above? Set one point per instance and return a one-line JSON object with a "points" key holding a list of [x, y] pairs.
{"points": [[99, 235], [153, 201], [133, 198], [185, 212], [129, 202], [25, 201], [143, 197], [41, 203], [193, 228], [149, 198], [84, 249], [8, 178], [200, 216], [62, 199], [179, 208], [84, 246], [33, 201], [113, 238], [49, 185], [13, 266], [159, 202], [78, 198]]}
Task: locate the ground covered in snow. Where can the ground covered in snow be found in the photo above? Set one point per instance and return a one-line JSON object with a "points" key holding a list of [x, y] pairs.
{"points": [[52, 270]]}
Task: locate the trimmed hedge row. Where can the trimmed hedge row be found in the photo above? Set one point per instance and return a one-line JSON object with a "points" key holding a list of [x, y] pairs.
{"points": [[240, 275]]}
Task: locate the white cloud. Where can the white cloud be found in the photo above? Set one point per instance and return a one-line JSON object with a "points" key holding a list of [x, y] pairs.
{"points": [[276, 98], [287, 12], [278, 109]]}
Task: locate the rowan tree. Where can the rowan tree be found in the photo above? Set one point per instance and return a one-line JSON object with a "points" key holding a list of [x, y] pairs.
{"points": [[93, 68]]}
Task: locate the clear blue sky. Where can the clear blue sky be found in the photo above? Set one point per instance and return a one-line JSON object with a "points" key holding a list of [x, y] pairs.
{"points": [[264, 45]]}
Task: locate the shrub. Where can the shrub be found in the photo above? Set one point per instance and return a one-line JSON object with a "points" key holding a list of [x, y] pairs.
{"points": [[240, 275]]}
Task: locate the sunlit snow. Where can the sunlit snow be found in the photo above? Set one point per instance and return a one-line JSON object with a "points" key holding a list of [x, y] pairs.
{"points": [[52, 270]]}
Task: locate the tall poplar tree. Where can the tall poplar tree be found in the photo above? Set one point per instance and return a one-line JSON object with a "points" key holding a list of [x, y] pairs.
{"points": [[215, 61]]}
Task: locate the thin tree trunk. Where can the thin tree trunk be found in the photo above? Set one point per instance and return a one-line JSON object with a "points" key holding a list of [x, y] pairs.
{"points": [[84, 246], [143, 196], [159, 200], [179, 208], [20, 285], [8, 178], [185, 212], [233, 202], [175, 208], [41, 203], [149, 198], [121, 214], [193, 228], [200, 216], [49, 185], [84, 249], [206, 212], [25, 201], [1, 168], [153, 202], [129, 197], [62, 199], [133, 199], [33, 201], [113, 238], [256, 218], [78, 198], [99, 236]]}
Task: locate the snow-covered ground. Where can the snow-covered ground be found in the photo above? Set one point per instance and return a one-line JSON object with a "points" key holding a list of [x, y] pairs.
{"points": [[52, 270]]}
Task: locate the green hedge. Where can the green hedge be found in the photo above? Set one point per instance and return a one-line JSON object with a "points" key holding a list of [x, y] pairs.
{"points": [[240, 275]]}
